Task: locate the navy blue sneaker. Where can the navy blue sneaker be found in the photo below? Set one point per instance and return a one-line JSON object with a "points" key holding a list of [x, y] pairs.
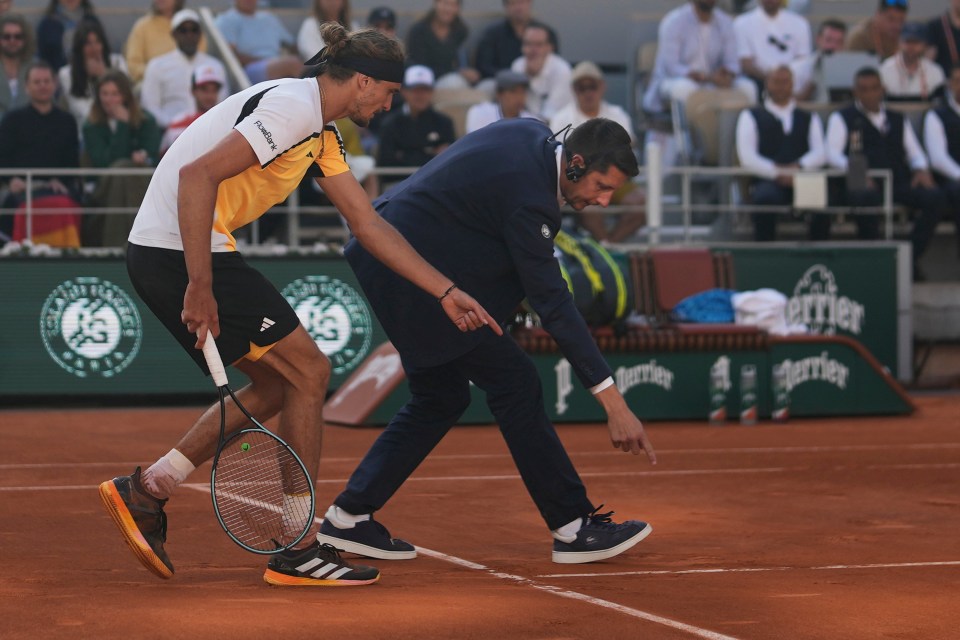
{"points": [[369, 539], [600, 538]]}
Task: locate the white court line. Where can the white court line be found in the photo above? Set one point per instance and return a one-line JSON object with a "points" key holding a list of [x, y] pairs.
{"points": [[576, 454], [829, 567]]}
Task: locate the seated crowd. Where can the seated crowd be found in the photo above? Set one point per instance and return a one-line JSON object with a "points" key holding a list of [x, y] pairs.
{"points": [[127, 107]]}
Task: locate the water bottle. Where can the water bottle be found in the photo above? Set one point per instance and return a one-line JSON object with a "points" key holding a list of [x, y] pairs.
{"points": [[718, 396], [748, 394], [781, 394]]}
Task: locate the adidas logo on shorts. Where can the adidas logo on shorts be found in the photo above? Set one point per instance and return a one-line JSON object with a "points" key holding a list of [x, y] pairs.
{"points": [[266, 324]]}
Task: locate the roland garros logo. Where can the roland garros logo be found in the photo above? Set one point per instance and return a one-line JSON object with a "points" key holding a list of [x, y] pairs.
{"points": [[91, 327], [816, 303], [336, 317]]}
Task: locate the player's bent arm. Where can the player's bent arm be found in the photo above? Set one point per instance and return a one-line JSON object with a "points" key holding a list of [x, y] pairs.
{"points": [[387, 245], [196, 199]]}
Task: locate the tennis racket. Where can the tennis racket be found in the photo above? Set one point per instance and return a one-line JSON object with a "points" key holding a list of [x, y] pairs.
{"points": [[262, 493]]}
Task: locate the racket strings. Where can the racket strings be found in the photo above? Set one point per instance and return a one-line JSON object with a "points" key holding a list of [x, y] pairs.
{"points": [[262, 493]]}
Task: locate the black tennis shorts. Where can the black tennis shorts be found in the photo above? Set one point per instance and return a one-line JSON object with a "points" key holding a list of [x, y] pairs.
{"points": [[251, 310]]}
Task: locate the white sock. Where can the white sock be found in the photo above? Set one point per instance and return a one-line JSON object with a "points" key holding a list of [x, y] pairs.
{"points": [[166, 474], [343, 520], [568, 532]]}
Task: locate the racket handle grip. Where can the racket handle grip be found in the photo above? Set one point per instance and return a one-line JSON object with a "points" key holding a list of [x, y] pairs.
{"points": [[214, 362]]}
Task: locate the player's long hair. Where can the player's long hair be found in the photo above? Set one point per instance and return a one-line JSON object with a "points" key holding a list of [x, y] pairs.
{"points": [[603, 143], [97, 113], [363, 43]]}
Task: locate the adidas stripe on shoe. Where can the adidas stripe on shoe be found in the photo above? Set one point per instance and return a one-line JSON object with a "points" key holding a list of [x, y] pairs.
{"points": [[319, 565]]}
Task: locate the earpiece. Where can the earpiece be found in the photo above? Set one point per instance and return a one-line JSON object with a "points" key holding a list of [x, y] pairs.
{"points": [[573, 172]]}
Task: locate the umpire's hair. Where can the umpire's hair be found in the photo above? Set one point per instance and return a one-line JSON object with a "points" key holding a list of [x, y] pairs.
{"points": [[603, 143], [362, 43]]}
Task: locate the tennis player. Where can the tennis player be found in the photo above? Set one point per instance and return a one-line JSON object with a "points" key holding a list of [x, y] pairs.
{"points": [[485, 212], [229, 167]]}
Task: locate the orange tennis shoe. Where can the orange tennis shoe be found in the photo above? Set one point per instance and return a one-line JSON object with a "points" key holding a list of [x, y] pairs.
{"points": [[141, 520], [319, 565]]}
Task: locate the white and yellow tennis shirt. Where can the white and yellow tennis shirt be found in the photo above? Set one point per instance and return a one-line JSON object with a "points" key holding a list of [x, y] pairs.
{"points": [[283, 122]]}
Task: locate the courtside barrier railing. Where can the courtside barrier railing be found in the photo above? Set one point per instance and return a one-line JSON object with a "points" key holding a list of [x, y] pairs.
{"points": [[652, 176]]}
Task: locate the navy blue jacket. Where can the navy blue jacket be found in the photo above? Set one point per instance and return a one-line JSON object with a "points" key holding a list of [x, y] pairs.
{"points": [[484, 213]]}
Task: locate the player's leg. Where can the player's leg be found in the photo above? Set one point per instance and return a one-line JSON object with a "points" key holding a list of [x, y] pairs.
{"points": [[515, 396], [440, 395]]}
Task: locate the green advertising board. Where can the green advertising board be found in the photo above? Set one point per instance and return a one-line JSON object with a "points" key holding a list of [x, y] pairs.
{"points": [[75, 326], [846, 289]]}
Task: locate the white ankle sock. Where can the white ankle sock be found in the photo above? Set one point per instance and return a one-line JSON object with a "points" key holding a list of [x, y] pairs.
{"points": [[166, 474], [343, 520], [568, 532]]}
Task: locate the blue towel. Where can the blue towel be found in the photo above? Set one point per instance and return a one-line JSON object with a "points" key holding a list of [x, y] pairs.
{"points": [[712, 305]]}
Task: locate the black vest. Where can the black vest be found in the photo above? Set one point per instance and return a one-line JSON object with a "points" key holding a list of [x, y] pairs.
{"points": [[777, 146], [951, 129], [883, 150]]}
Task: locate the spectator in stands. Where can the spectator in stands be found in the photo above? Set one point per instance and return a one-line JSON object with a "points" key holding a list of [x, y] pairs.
{"points": [[944, 34], [549, 74], [118, 133], [90, 58], [589, 89], [887, 141], [206, 85], [510, 101], [696, 49], [808, 82], [502, 41], [151, 37], [941, 137], [39, 135], [908, 75], [384, 20], [417, 133], [56, 27], [260, 41], [880, 33], [775, 137], [5, 6], [166, 91], [16, 51], [438, 41], [309, 40], [768, 37]]}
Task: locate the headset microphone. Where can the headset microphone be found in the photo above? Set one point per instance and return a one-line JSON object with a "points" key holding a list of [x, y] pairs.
{"points": [[573, 172]]}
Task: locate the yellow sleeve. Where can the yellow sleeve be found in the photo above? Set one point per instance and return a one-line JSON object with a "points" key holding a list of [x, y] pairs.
{"points": [[332, 159]]}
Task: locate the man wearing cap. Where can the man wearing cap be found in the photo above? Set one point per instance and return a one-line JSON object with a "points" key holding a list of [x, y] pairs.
{"points": [[228, 168], [166, 91], [589, 88], [509, 102], [910, 75], [384, 20], [416, 133], [206, 85]]}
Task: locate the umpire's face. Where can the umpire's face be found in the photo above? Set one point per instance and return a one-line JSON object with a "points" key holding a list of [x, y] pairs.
{"points": [[594, 188]]}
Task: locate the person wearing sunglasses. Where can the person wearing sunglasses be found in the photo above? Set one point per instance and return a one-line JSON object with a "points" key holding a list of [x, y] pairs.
{"points": [[166, 90], [16, 50], [151, 37], [880, 33]]}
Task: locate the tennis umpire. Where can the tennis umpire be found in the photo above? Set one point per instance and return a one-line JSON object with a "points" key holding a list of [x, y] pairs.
{"points": [[228, 168], [485, 212]]}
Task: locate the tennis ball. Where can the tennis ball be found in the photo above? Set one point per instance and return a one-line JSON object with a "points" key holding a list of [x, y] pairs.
{"points": [[245, 446]]}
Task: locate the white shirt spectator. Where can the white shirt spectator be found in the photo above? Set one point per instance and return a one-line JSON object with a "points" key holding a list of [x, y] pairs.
{"points": [[935, 141], [748, 140], [166, 90], [484, 113], [772, 41], [900, 83], [837, 140], [80, 107], [572, 115], [550, 89]]}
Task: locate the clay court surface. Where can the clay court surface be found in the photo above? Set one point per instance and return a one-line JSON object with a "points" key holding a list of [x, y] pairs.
{"points": [[832, 529]]}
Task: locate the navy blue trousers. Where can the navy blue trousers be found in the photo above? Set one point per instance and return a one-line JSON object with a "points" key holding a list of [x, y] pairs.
{"points": [[440, 395]]}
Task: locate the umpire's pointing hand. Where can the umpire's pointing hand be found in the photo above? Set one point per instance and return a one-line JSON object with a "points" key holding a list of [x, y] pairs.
{"points": [[466, 313]]}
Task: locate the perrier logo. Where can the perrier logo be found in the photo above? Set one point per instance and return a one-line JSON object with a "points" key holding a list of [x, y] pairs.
{"points": [[91, 327], [336, 317]]}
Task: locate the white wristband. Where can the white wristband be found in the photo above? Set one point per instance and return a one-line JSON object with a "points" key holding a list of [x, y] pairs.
{"points": [[603, 385]]}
